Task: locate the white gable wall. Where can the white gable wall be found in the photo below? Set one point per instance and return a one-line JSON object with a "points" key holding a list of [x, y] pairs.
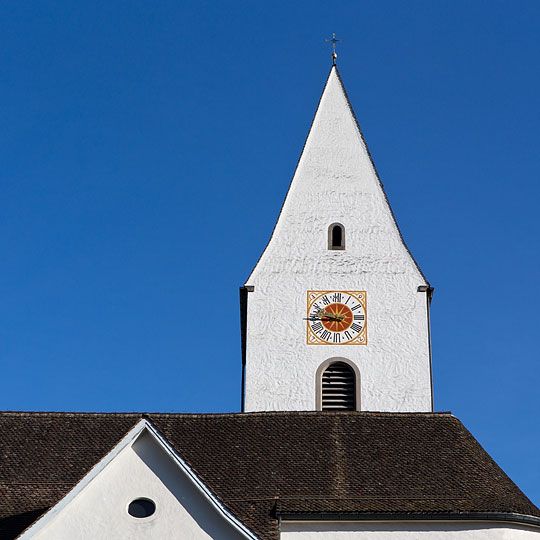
{"points": [[410, 530], [336, 182], [143, 469]]}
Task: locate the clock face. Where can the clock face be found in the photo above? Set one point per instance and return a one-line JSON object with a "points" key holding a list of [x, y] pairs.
{"points": [[336, 318]]}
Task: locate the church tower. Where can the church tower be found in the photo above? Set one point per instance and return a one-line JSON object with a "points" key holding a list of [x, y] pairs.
{"points": [[335, 315]]}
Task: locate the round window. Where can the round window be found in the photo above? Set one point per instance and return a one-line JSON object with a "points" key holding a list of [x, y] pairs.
{"points": [[141, 508]]}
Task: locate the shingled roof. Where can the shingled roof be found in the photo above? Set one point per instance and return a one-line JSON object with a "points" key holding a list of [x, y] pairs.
{"points": [[261, 465]]}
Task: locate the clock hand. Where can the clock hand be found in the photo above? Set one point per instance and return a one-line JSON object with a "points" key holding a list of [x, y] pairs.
{"points": [[336, 317], [328, 315]]}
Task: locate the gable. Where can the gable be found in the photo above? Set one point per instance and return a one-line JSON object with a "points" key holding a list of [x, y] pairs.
{"points": [[144, 470]]}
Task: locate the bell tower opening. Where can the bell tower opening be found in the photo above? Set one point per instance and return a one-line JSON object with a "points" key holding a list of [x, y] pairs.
{"points": [[337, 386]]}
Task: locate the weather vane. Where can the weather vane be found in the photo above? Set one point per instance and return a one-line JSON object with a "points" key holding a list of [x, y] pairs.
{"points": [[333, 41]]}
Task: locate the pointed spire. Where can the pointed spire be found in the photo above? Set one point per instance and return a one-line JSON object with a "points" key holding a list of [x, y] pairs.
{"points": [[336, 173]]}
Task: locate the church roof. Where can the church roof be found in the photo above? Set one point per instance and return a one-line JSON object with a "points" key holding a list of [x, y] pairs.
{"points": [[278, 464]]}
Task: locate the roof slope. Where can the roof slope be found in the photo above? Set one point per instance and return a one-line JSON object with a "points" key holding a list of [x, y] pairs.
{"points": [[262, 463]]}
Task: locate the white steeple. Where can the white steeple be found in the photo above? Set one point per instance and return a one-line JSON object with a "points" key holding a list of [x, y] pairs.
{"points": [[292, 300]]}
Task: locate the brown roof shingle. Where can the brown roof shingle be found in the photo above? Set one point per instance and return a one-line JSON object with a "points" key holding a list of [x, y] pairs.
{"points": [[260, 464]]}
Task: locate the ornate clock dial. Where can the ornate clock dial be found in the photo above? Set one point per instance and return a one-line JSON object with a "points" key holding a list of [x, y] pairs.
{"points": [[336, 318]]}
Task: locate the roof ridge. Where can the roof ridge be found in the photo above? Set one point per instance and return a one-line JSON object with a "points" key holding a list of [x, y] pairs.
{"points": [[69, 413], [222, 414]]}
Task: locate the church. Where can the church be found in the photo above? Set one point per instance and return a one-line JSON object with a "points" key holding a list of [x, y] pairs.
{"points": [[337, 438]]}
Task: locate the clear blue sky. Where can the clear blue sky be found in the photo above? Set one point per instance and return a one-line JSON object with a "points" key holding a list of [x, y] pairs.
{"points": [[145, 150]]}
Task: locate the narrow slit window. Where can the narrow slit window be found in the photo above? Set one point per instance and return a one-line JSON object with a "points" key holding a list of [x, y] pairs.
{"points": [[338, 387], [336, 236]]}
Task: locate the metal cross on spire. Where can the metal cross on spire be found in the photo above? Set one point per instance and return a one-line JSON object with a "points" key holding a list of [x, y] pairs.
{"points": [[333, 41]]}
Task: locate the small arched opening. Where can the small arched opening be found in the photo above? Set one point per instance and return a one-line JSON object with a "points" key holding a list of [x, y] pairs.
{"points": [[336, 236], [338, 386]]}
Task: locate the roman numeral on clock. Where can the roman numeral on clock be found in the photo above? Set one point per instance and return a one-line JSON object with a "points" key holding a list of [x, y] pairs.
{"points": [[359, 317], [358, 306], [356, 327], [336, 297], [317, 327]]}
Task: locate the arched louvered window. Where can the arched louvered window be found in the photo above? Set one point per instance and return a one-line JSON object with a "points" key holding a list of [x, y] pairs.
{"points": [[338, 388], [336, 236]]}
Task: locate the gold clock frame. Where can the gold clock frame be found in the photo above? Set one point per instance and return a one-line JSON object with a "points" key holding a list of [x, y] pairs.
{"points": [[313, 339]]}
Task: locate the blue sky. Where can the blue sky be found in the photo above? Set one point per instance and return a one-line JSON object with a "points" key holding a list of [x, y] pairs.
{"points": [[145, 151]]}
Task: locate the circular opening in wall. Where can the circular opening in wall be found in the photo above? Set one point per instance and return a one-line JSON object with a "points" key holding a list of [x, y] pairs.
{"points": [[141, 508]]}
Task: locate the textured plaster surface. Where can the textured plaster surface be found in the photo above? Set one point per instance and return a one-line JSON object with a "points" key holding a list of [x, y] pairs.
{"points": [[99, 511], [430, 530], [335, 182]]}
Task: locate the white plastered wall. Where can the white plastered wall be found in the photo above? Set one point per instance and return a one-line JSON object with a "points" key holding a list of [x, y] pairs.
{"points": [[144, 469], [335, 182], [430, 530]]}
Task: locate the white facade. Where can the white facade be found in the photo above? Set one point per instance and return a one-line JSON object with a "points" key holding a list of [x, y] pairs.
{"points": [[406, 530], [139, 467], [336, 182]]}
